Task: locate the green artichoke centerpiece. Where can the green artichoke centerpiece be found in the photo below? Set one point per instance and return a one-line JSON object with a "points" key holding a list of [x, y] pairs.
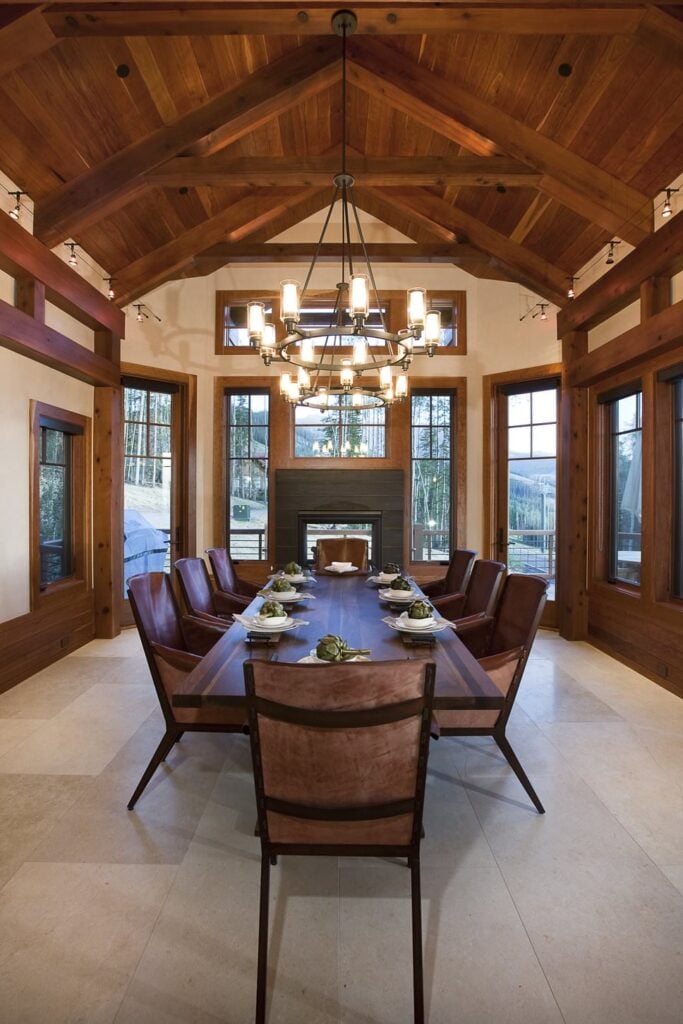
{"points": [[293, 569], [391, 567], [335, 648], [272, 610], [420, 610], [281, 586], [401, 583]]}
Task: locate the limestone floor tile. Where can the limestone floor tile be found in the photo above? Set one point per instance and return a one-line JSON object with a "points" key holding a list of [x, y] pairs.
{"points": [[29, 807], [71, 937], [674, 872], [160, 829], [84, 737], [48, 692], [549, 694], [479, 964], [200, 963], [125, 645], [606, 924], [14, 730], [226, 827]]}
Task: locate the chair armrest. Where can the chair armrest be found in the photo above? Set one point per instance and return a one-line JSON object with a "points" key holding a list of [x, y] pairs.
{"points": [[201, 633], [450, 605], [227, 603], [501, 668], [182, 660], [247, 589], [435, 588], [475, 633]]}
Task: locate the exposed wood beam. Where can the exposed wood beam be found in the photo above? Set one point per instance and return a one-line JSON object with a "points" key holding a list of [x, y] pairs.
{"points": [[660, 255], [567, 177], [308, 172], [372, 201], [23, 36], [22, 255], [301, 252], [418, 18], [449, 223], [663, 33], [28, 337], [253, 211], [267, 93], [659, 334]]}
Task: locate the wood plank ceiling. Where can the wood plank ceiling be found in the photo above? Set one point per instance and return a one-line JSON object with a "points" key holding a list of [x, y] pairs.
{"points": [[528, 134]]}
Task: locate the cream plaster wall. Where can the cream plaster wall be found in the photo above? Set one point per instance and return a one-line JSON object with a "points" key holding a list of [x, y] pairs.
{"points": [[496, 339]]}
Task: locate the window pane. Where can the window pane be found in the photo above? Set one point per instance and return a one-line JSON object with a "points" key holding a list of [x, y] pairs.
{"points": [[626, 491], [544, 440], [247, 475], [55, 519], [678, 489], [531, 516], [239, 442], [54, 446], [134, 404], [519, 442], [431, 473], [544, 405], [159, 407], [422, 442], [519, 409], [160, 441], [239, 408], [339, 431], [135, 438], [421, 408], [626, 410], [441, 410]]}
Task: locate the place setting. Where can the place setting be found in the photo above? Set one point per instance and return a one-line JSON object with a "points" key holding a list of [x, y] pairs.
{"points": [[334, 650], [283, 588], [417, 623], [269, 622]]}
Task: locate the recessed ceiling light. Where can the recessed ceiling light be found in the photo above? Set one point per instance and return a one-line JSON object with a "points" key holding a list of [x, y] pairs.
{"points": [[501, 188], [565, 70], [183, 190], [123, 71]]}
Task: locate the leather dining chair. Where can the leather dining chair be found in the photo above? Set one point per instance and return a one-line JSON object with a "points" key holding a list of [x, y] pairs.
{"points": [[481, 594], [174, 645], [502, 645], [342, 549], [227, 580], [340, 760], [199, 596], [457, 575]]}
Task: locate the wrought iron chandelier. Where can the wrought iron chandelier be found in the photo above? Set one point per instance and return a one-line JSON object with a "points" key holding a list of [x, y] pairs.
{"points": [[348, 357]]}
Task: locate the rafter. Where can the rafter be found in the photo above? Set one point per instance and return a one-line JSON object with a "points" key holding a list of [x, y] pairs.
{"points": [[266, 94], [330, 252], [252, 212], [433, 101], [417, 17], [308, 172], [450, 223], [23, 36]]}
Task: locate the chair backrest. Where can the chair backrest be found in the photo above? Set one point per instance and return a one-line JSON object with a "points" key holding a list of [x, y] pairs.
{"points": [[518, 613], [340, 751], [342, 549], [195, 585], [223, 570], [483, 588], [458, 572], [155, 610]]}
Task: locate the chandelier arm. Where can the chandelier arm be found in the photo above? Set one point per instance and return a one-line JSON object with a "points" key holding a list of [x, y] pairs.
{"points": [[346, 226], [318, 245], [367, 261]]}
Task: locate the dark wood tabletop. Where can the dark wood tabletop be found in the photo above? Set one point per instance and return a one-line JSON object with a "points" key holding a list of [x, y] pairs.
{"points": [[350, 607]]}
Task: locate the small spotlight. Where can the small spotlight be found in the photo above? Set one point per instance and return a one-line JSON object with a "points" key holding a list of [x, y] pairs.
{"points": [[110, 290], [15, 212], [544, 306], [666, 209], [570, 291], [139, 316], [610, 255], [72, 261]]}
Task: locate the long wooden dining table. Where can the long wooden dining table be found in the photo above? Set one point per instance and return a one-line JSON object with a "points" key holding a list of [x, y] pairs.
{"points": [[350, 607]]}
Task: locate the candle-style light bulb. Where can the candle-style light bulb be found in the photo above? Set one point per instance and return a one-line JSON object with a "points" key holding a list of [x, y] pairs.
{"points": [[432, 333], [289, 301], [385, 377], [417, 305], [401, 385], [359, 302], [256, 320], [346, 375], [356, 398], [360, 352], [285, 381], [304, 378], [306, 351]]}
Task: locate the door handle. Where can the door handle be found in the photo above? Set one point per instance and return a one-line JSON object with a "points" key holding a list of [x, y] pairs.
{"points": [[500, 540]]}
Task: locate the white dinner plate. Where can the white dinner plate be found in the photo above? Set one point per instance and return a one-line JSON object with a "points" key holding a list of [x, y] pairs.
{"points": [[398, 596], [401, 627], [313, 659], [256, 625], [387, 577], [288, 597], [347, 568]]}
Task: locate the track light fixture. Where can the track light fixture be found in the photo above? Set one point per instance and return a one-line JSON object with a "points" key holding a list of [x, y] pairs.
{"points": [[143, 312], [15, 212], [110, 289], [570, 291], [666, 209], [73, 260], [139, 316], [610, 255], [537, 310]]}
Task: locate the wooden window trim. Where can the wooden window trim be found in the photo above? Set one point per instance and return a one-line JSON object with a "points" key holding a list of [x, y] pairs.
{"points": [[80, 582], [395, 299]]}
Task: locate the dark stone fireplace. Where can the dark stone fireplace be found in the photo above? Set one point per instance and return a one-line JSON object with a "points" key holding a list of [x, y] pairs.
{"points": [[373, 497]]}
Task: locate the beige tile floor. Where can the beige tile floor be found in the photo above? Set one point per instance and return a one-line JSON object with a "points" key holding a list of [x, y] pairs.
{"points": [[150, 917]]}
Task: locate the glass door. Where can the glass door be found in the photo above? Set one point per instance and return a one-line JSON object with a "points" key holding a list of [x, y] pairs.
{"points": [[526, 499], [152, 534]]}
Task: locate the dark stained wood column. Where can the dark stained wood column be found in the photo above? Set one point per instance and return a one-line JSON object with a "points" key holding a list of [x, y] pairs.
{"points": [[108, 496], [572, 597]]}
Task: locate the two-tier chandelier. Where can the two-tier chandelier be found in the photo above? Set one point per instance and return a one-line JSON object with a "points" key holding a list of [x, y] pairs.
{"points": [[347, 357]]}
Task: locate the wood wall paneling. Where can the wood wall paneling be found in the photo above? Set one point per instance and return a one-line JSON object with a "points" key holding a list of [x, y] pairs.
{"points": [[572, 597]]}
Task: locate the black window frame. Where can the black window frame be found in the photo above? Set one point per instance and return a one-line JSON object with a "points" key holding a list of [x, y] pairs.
{"points": [[452, 394], [610, 401], [231, 392]]}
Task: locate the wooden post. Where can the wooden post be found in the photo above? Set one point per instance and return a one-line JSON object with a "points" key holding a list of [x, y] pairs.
{"points": [[572, 597], [108, 498]]}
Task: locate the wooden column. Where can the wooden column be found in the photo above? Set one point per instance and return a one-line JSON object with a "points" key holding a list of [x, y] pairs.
{"points": [[108, 497], [655, 296], [572, 597]]}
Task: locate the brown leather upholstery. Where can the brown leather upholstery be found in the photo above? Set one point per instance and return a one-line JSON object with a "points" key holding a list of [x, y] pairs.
{"points": [[226, 578], [198, 594], [342, 549], [340, 762], [457, 575], [502, 645], [481, 595], [174, 645]]}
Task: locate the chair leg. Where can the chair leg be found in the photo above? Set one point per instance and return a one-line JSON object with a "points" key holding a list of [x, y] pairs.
{"points": [[159, 755], [511, 758], [416, 899], [262, 972]]}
